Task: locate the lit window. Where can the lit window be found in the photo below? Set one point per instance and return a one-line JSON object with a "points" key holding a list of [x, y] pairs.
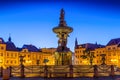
{"points": [[1, 54]]}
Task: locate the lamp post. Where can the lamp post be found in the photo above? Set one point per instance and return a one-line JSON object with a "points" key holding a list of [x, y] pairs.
{"points": [[21, 66], [87, 54], [45, 68]]}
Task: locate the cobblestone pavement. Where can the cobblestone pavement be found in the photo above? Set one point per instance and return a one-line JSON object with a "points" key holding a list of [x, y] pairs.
{"points": [[81, 78]]}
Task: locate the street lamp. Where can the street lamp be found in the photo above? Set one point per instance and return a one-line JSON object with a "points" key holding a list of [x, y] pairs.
{"points": [[45, 61]]}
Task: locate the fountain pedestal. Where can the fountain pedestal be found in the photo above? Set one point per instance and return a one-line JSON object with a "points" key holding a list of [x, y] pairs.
{"points": [[63, 55]]}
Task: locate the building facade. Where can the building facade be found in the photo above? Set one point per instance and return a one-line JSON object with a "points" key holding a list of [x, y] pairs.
{"points": [[98, 54], [10, 54]]}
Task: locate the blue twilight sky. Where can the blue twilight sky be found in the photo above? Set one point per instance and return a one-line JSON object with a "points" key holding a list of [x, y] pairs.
{"points": [[31, 21]]}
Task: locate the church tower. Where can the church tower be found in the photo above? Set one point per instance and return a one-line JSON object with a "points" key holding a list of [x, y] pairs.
{"points": [[76, 43]]}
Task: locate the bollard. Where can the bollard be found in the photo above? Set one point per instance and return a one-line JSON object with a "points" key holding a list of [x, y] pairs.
{"points": [[71, 71], [95, 71], [45, 71], [112, 73]]}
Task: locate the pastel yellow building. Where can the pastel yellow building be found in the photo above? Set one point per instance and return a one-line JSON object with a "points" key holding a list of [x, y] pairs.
{"points": [[9, 54], [110, 53]]}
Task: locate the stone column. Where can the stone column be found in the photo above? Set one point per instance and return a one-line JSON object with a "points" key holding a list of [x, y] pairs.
{"points": [[112, 73], [95, 71], [22, 71], [21, 66], [10, 68], [1, 73], [6, 74], [71, 71]]}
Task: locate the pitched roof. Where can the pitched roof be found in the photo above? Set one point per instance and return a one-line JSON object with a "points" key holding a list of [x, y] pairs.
{"points": [[91, 46], [10, 46], [30, 48], [115, 41]]}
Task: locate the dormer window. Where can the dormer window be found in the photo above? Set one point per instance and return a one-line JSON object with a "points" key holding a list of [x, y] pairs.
{"points": [[25, 50], [109, 48], [0, 40]]}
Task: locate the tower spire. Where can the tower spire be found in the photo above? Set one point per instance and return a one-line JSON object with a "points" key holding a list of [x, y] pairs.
{"points": [[9, 39], [76, 43], [62, 16]]}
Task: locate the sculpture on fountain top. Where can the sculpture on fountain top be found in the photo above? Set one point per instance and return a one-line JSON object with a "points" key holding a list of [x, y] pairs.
{"points": [[62, 31]]}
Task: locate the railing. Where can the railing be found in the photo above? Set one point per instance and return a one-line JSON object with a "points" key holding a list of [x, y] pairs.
{"points": [[62, 71]]}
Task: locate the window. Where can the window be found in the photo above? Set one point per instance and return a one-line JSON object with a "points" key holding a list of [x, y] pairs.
{"points": [[109, 48], [2, 48], [114, 54], [1, 54], [75, 51], [7, 61], [113, 47], [109, 54], [7, 54], [80, 61], [15, 55], [28, 55], [97, 61], [11, 54]]}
